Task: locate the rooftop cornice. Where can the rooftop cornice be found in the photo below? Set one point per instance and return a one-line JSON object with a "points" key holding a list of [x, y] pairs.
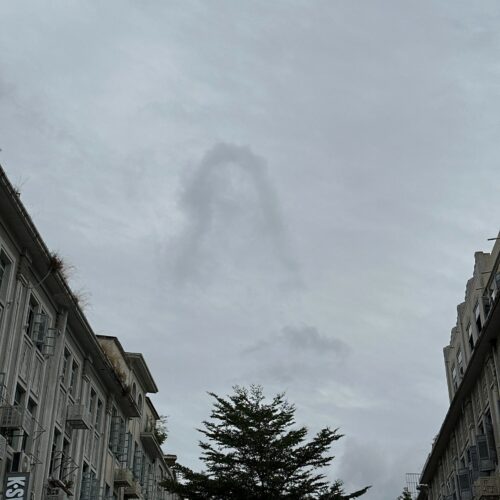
{"points": [[140, 367], [27, 236]]}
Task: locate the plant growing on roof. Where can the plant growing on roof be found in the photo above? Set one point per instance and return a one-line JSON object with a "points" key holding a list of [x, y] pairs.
{"points": [[115, 363], [58, 265]]}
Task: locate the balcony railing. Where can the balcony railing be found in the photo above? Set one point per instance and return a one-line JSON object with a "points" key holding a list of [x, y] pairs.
{"points": [[123, 477], [133, 491], [78, 417], [487, 487], [56, 494], [15, 417], [151, 444]]}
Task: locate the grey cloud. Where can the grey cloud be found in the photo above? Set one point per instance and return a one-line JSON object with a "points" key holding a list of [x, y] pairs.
{"points": [[381, 466], [308, 337], [302, 358], [380, 134], [302, 339], [220, 204]]}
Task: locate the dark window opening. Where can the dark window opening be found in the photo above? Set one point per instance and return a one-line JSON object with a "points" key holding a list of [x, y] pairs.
{"points": [[477, 315]]}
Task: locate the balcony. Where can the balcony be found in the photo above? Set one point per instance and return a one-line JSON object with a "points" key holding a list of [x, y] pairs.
{"points": [[150, 443], [60, 486], [127, 403], [15, 417], [78, 417], [3, 389], [56, 494], [123, 477], [170, 459], [133, 491], [487, 488]]}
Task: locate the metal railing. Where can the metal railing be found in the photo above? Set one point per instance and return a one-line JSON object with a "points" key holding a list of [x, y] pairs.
{"points": [[486, 487], [78, 416]]}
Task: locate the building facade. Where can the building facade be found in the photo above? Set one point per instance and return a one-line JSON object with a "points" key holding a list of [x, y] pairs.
{"points": [[463, 462], [75, 416]]}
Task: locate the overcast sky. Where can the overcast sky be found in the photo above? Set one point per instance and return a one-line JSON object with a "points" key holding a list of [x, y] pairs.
{"points": [[279, 192]]}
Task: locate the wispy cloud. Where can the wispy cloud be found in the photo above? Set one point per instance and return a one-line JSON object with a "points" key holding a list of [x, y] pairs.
{"points": [[302, 339]]}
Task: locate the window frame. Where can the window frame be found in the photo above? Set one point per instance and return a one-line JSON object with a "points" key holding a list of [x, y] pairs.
{"points": [[470, 334], [477, 317], [5, 274]]}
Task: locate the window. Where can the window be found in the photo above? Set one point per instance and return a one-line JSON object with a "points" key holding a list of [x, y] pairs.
{"points": [[137, 463], [64, 369], [490, 436], [65, 458], [73, 379], [37, 324], [114, 433], [477, 315], [487, 303], [92, 399], [139, 403], [3, 388], [495, 286], [4, 267], [471, 336], [460, 363], [95, 450], [30, 317], [18, 439], [98, 416], [89, 484], [123, 443], [19, 396], [69, 374], [39, 329], [25, 361], [32, 406], [55, 461], [454, 376]]}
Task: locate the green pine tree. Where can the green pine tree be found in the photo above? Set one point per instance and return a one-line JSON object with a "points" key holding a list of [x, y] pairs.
{"points": [[254, 451], [406, 495]]}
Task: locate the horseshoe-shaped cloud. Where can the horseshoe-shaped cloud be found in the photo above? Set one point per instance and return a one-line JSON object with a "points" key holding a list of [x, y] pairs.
{"points": [[201, 203]]}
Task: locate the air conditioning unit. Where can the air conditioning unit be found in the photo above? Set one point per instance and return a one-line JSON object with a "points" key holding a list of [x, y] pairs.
{"points": [[3, 447], [21, 462], [25, 462]]}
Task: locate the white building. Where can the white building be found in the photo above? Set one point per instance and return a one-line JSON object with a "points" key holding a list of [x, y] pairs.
{"points": [[463, 463], [75, 417]]}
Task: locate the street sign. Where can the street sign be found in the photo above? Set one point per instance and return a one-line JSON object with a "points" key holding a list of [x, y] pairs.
{"points": [[17, 485]]}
